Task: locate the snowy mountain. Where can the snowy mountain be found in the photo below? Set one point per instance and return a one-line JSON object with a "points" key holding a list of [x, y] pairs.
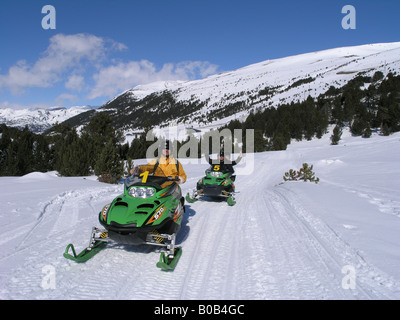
{"points": [[38, 120], [338, 239], [234, 94], [220, 98]]}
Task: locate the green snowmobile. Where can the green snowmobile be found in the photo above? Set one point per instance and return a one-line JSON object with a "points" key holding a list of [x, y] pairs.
{"points": [[145, 213], [215, 184]]}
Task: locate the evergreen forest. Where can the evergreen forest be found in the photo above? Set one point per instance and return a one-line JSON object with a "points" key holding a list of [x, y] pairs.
{"points": [[365, 105]]}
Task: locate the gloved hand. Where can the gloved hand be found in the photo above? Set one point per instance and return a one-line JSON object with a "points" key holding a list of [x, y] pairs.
{"points": [[135, 170], [181, 180]]}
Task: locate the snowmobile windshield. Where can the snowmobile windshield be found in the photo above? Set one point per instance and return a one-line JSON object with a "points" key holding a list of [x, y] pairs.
{"points": [[221, 169], [153, 181]]}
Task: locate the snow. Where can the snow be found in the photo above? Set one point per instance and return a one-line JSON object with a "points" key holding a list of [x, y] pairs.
{"points": [[292, 240], [39, 119]]}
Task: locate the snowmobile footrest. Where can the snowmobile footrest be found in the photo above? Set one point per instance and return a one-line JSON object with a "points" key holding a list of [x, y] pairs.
{"points": [[86, 254], [189, 199], [168, 264]]}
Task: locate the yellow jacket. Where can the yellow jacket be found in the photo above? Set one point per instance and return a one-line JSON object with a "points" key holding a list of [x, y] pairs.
{"points": [[166, 168]]}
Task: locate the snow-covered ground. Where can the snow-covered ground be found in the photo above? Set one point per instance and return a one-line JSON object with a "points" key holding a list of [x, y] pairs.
{"points": [[338, 239]]}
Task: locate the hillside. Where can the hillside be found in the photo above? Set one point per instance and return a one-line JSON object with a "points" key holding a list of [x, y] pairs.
{"points": [[222, 97]]}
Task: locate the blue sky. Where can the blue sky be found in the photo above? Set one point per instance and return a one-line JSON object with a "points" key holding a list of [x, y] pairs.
{"points": [[103, 47]]}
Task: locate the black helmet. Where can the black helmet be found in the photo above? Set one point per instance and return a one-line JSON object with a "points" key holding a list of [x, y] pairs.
{"points": [[166, 145]]}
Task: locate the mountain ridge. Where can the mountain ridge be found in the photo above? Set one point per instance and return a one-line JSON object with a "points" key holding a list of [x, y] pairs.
{"points": [[234, 94]]}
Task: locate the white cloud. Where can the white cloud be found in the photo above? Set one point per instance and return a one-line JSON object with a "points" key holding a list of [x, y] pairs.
{"points": [[83, 63], [75, 82], [66, 96], [8, 105], [64, 53], [122, 76]]}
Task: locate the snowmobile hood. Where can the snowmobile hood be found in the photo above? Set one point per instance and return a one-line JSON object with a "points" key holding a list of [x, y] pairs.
{"points": [[126, 210], [135, 211], [216, 178]]}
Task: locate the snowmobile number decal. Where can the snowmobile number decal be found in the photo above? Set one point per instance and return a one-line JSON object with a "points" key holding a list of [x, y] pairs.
{"points": [[217, 167], [105, 210], [145, 175], [157, 215], [178, 212]]}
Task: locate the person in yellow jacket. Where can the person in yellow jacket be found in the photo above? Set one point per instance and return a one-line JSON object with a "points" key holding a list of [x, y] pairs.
{"points": [[164, 166]]}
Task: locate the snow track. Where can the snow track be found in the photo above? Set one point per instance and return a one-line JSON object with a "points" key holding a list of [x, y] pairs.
{"points": [[280, 241]]}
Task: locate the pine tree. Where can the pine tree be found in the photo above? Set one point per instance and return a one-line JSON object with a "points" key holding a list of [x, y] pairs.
{"points": [[385, 130], [259, 141], [337, 134], [109, 166], [97, 133], [367, 131], [24, 151], [306, 173], [73, 156]]}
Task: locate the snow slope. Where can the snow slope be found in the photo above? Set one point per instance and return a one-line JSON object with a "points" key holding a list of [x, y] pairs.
{"points": [[287, 79], [38, 120], [293, 240]]}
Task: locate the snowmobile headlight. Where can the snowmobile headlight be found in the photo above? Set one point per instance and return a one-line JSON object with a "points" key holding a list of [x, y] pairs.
{"points": [[140, 192], [216, 174], [150, 192], [132, 191]]}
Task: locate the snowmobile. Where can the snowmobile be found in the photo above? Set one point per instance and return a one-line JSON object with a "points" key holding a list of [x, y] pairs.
{"points": [[215, 184], [145, 213]]}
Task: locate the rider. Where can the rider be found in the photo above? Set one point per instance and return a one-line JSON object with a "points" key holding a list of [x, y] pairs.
{"points": [[164, 166], [224, 164]]}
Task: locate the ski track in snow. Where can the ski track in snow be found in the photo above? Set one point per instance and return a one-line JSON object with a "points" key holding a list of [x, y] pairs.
{"points": [[329, 254], [271, 245], [280, 251]]}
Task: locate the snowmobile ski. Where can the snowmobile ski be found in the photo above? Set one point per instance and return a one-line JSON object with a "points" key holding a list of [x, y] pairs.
{"points": [[231, 201], [98, 241], [85, 254], [192, 198], [168, 263]]}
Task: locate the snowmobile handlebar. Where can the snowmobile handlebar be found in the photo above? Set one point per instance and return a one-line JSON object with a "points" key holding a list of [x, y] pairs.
{"points": [[169, 178], [150, 179], [172, 179]]}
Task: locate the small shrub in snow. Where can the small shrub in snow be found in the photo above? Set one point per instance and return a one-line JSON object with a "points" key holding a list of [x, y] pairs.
{"points": [[306, 173]]}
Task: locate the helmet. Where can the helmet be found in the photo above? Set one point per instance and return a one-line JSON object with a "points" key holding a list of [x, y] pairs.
{"points": [[166, 145]]}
